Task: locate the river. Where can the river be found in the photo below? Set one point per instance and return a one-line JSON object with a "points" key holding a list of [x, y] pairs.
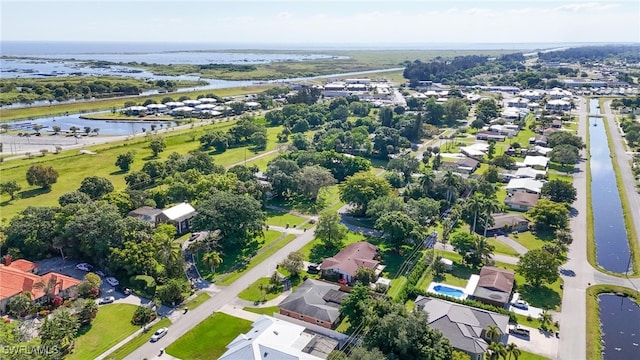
{"points": [[612, 244]]}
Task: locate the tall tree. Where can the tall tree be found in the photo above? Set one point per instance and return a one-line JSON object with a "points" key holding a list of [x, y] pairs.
{"points": [[559, 191], [213, 260], [356, 306], [330, 231], [538, 266], [157, 145], [294, 263], [124, 161], [512, 351], [238, 217], [399, 229], [548, 215], [10, 188], [361, 188], [95, 186], [310, 179], [43, 176]]}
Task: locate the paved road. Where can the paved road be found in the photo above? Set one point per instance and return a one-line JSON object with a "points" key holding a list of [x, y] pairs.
{"points": [[226, 295], [577, 273]]}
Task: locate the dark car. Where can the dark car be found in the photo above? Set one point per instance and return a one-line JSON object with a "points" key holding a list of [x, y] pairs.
{"points": [[313, 268]]}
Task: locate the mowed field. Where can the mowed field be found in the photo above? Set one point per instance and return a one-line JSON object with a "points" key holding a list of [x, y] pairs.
{"points": [[73, 167]]}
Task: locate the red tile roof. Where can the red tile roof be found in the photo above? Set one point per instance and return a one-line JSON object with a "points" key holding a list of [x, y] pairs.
{"points": [[15, 281], [496, 279], [23, 265], [349, 259]]}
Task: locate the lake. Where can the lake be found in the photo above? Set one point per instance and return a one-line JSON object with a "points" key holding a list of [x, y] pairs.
{"points": [[620, 324]]}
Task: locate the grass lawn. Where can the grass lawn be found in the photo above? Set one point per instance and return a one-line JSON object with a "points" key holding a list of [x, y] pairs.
{"points": [[73, 167], [268, 310], [529, 240], [546, 296], [111, 325], [208, 340], [253, 292], [262, 162], [282, 218], [534, 323], [197, 301], [530, 356], [396, 286], [502, 248], [229, 279], [138, 341]]}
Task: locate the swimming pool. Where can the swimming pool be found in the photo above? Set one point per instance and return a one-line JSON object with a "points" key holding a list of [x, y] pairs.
{"points": [[447, 290]]}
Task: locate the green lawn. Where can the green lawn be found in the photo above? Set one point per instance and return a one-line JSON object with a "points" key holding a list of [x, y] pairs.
{"points": [[545, 297], [111, 325], [254, 292], [530, 356], [73, 167], [502, 248], [208, 340], [282, 218], [138, 341], [314, 251], [262, 162], [268, 310], [528, 240], [197, 301], [227, 280]]}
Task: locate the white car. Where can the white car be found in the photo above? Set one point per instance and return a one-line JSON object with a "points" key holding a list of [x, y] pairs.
{"points": [[112, 281], [159, 334], [84, 267], [107, 300], [521, 304]]}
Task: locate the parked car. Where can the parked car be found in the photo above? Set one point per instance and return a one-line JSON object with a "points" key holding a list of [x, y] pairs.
{"points": [[112, 281], [518, 330], [159, 334], [100, 273], [313, 268], [520, 304], [107, 300], [84, 267]]}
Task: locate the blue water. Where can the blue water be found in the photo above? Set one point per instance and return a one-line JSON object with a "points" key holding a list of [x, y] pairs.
{"points": [[620, 324], [106, 127], [612, 245], [445, 290]]}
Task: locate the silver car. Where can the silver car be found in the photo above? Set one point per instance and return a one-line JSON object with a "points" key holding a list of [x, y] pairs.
{"points": [[159, 334]]}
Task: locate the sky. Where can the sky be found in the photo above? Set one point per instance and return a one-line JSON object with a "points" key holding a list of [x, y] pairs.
{"points": [[321, 22]]}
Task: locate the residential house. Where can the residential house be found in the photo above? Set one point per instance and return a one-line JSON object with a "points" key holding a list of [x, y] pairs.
{"points": [[19, 276], [526, 185], [475, 150], [494, 286], [540, 140], [135, 110], [467, 165], [316, 302], [521, 201], [508, 222], [518, 102], [556, 124], [550, 130], [464, 326], [529, 173], [180, 216], [536, 162], [531, 94], [539, 150], [489, 135], [271, 338], [343, 265], [558, 105], [147, 213], [558, 93]]}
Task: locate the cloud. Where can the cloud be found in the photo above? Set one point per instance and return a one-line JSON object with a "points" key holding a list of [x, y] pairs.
{"points": [[591, 6], [285, 15]]}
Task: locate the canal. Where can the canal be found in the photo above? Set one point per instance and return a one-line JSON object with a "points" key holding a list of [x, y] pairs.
{"points": [[612, 244], [620, 324]]}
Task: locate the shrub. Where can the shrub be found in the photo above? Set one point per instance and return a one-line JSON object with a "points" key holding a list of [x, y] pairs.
{"points": [[143, 316], [144, 284]]}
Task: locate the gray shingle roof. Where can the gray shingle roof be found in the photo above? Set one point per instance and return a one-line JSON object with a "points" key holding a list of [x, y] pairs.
{"points": [[309, 300], [461, 324]]}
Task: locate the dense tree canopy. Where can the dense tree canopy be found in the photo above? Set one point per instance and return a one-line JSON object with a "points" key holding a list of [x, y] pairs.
{"points": [[559, 191], [361, 188], [41, 175]]}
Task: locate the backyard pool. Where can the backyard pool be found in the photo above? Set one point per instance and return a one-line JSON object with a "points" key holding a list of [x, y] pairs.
{"points": [[447, 290]]}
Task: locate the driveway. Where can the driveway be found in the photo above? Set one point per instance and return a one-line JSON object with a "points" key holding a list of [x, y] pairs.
{"points": [[538, 343]]}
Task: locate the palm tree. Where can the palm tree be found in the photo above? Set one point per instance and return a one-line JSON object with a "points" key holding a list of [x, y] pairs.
{"points": [[496, 351], [483, 250], [451, 182], [48, 287], [492, 333], [512, 349], [490, 206], [170, 251], [213, 260], [545, 320], [475, 204], [427, 180]]}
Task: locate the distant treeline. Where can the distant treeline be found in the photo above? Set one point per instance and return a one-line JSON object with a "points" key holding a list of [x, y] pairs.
{"points": [[629, 53], [228, 67], [460, 70]]}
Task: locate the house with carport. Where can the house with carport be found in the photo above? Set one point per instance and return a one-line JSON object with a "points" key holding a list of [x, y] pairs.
{"points": [[342, 266]]}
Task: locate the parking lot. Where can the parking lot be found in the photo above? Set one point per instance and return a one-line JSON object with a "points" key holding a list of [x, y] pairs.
{"points": [[545, 344]]}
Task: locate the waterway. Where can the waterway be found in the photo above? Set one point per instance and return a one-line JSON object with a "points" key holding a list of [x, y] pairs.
{"points": [[106, 127], [620, 325], [612, 245]]}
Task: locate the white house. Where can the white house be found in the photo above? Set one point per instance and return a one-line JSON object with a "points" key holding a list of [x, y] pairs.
{"points": [[557, 93], [518, 102], [536, 162], [174, 104], [527, 185], [531, 94], [191, 103], [560, 105], [179, 215], [529, 173], [271, 338]]}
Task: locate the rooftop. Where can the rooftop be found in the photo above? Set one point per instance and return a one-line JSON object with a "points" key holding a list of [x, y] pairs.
{"points": [[179, 212]]}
